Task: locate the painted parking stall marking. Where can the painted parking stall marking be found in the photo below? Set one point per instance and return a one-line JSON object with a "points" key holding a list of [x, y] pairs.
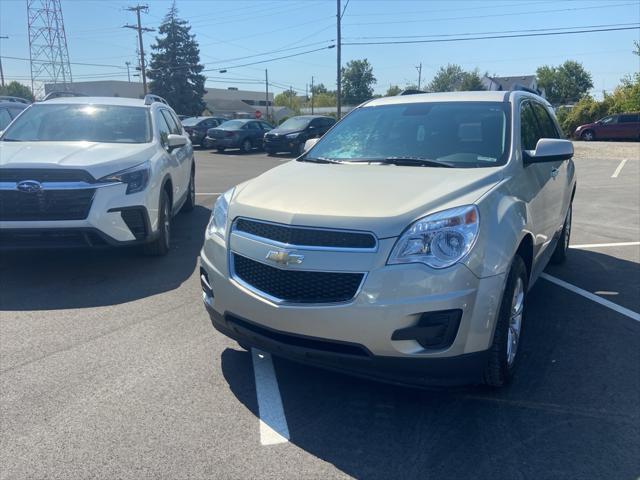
{"points": [[604, 245], [273, 423], [619, 168], [606, 303]]}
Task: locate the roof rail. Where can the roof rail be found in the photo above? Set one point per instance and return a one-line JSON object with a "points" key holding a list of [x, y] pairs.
{"points": [[522, 88], [150, 98], [410, 91], [52, 95], [6, 98]]}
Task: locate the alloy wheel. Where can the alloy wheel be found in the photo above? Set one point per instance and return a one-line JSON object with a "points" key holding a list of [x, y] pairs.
{"points": [[515, 321]]}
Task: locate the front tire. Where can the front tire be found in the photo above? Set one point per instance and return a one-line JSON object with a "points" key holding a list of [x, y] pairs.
{"points": [[588, 136], [246, 146], [560, 253], [508, 333], [161, 245], [220, 149], [190, 202]]}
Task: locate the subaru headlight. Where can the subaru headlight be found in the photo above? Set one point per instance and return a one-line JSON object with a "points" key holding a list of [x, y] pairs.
{"points": [[218, 223], [291, 136], [438, 240], [136, 178]]}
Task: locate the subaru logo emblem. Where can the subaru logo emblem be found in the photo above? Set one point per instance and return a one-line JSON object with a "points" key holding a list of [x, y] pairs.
{"points": [[29, 186], [285, 258]]}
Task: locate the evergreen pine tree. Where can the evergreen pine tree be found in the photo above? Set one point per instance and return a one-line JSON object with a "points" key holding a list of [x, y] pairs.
{"points": [[175, 69]]}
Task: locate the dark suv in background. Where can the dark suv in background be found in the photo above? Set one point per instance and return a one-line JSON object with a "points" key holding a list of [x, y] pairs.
{"points": [[197, 127], [10, 107], [622, 126], [292, 134], [245, 134]]}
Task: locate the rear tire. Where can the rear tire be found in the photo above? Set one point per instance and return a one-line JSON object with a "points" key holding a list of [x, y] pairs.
{"points": [[161, 245], [507, 337], [190, 202], [220, 149], [588, 136], [560, 253]]}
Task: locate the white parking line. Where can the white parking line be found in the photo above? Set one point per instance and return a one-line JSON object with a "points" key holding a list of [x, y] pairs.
{"points": [[619, 169], [273, 423], [606, 303], [206, 194], [601, 245]]}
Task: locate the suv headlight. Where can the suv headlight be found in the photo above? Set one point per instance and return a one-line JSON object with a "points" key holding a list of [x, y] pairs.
{"points": [[438, 240], [136, 177], [218, 223], [291, 136]]}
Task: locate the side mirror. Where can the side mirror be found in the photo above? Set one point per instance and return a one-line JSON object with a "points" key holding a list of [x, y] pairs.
{"points": [[175, 141], [310, 143], [549, 150]]}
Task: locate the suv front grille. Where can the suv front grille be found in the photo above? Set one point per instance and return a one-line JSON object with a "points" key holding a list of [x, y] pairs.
{"points": [[303, 236], [45, 175], [45, 205], [297, 286]]}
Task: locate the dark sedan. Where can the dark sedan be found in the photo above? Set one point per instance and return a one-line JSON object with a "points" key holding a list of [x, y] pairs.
{"points": [[245, 134], [196, 127], [292, 134]]}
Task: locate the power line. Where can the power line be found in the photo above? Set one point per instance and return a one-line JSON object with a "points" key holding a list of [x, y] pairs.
{"points": [[72, 63], [492, 37], [270, 59]]}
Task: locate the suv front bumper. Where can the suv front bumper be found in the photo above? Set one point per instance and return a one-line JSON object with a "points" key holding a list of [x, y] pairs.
{"points": [[356, 336]]}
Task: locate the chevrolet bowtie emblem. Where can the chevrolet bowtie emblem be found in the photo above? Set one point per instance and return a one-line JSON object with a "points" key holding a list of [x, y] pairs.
{"points": [[285, 258]]}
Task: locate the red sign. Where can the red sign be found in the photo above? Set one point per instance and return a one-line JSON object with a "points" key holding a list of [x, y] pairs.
{"points": [[258, 113]]}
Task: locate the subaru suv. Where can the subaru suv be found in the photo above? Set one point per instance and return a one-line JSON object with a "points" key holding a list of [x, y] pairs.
{"points": [[93, 171], [401, 246]]}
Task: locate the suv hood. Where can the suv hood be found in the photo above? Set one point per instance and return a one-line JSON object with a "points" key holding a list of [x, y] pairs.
{"points": [[383, 199], [285, 131], [99, 159]]}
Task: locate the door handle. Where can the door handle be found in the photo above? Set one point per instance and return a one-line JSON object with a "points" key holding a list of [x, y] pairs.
{"points": [[554, 172]]}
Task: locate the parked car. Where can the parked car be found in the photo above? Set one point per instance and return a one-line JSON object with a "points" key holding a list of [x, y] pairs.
{"points": [[10, 108], [623, 126], [245, 134], [294, 132], [402, 245], [93, 171], [197, 127]]}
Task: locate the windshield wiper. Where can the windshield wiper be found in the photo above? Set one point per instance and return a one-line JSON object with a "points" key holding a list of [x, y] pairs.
{"points": [[318, 160], [419, 161], [10, 140]]}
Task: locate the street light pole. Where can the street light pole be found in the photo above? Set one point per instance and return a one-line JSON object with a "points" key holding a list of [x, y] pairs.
{"points": [[266, 90], [419, 68], [339, 69], [128, 74], [2, 37]]}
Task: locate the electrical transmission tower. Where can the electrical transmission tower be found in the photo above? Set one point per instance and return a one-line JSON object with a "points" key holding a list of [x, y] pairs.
{"points": [[48, 52]]}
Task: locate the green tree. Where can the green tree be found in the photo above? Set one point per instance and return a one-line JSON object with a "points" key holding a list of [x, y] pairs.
{"points": [[393, 90], [289, 99], [16, 89], [325, 99], [471, 81], [175, 69], [357, 82], [319, 88], [566, 83], [447, 79], [636, 50], [626, 96]]}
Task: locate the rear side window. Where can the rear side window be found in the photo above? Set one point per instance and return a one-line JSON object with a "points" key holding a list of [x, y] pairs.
{"points": [[253, 126], [629, 118], [545, 122], [529, 133]]}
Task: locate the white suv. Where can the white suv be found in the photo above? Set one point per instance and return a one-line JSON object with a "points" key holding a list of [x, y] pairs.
{"points": [[93, 171]]}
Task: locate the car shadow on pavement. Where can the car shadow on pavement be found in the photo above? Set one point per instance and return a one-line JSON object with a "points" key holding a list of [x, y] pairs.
{"points": [[81, 278], [571, 411]]}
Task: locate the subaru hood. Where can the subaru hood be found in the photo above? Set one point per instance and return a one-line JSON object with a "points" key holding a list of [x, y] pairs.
{"points": [[99, 159], [383, 199]]}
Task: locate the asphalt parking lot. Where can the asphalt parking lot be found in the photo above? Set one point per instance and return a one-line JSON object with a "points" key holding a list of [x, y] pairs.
{"points": [[110, 368]]}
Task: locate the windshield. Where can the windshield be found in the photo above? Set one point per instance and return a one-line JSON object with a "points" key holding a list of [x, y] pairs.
{"points": [[192, 121], [90, 123], [462, 134], [232, 124], [295, 123]]}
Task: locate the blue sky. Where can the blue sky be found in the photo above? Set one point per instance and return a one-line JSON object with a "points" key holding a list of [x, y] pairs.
{"points": [[227, 30]]}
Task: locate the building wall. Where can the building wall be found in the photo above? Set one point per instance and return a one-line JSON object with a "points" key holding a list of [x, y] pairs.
{"points": [[103, 88], [249, 97]]}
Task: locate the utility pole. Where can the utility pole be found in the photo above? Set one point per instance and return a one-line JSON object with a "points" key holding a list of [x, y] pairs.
{"points": [[140, 29], [128, 74], [2, 37], [419, 68], [312, 95], [339, 69], [266, 89]]}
